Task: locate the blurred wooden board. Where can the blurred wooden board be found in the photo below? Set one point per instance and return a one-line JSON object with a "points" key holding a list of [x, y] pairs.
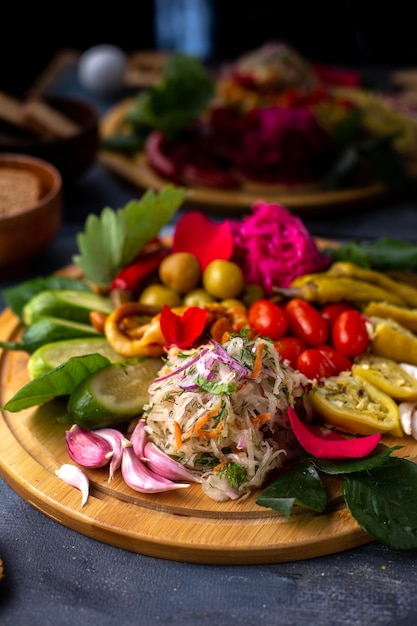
{"points": [[303, 201], [183, 525]]}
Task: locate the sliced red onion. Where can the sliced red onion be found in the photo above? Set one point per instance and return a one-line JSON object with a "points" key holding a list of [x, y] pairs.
{"points": [[185, 366], [165, 466], [86, 448], [140, 478], [225, 357], [75, 477]]}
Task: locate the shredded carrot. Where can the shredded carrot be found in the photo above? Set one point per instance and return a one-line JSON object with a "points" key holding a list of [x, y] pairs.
{"points": [[178, 435], [261, 419], [205, 418], [219, 466], [258, 360], [213, 433]]}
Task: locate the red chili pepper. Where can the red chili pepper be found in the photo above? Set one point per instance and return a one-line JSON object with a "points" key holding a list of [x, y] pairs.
{"points": [[331, 446], [131, 277], [182, 330]]}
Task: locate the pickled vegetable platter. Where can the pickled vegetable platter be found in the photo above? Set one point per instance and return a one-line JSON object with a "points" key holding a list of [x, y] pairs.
{"points": [[246, 389]]}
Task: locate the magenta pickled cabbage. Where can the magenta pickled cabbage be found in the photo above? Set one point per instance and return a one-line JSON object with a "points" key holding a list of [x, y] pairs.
{"points": [[272, 246]]}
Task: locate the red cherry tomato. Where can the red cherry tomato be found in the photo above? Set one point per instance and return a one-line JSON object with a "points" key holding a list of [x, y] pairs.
{"points": [[268, 319], [349, 334], [314, 364], [289, 348], [331, 311], [339, 361], [306, 322]]}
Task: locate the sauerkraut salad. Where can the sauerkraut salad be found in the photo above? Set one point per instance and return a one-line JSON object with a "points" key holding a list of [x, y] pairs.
{"points": [[221, 411]]}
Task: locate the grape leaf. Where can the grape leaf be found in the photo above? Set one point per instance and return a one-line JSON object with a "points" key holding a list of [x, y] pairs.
{"points": [[112, 239], [60, 381], [301, 485], [384, 502]]}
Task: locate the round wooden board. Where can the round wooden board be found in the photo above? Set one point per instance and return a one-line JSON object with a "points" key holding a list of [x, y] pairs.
{"points": [[183, 525], [303, 201]]}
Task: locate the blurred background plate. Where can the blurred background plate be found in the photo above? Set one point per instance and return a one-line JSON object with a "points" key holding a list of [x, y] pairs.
{"points": [[303, 200]]}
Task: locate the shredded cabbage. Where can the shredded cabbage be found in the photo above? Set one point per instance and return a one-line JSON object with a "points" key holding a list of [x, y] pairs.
{"points": [[221, 411], [273, 247]]}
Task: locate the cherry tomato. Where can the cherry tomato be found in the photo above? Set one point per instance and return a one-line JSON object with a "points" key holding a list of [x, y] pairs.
{"points": [[331, 311], [268, 319], [289, 348], [306, 322], [339, 361], [349, 334], [314, 364]]}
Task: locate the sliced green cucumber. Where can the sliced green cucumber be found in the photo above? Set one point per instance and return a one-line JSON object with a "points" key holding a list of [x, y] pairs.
{"points": [[65, 303], [113, 394], [50, 355], [48, 329]]}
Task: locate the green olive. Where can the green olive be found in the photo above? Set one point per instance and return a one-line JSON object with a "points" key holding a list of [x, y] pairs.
{"points": [[229, 303], [252, 293], [181, 271], [159, 295], [223, 279], [197, 297]]}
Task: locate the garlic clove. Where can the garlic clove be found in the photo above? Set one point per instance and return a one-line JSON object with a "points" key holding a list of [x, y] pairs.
{"points": [[75, 477], [118, 442], [140, 478], [407, 409], [138, 439], [165, 466], [86, 448]]}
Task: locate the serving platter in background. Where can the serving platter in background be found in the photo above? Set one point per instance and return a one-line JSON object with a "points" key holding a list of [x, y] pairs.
{"points": [[183, 525], [305, 201]]}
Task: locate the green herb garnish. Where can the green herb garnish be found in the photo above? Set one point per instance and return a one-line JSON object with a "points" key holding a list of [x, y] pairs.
{"points": [[112, 239]]}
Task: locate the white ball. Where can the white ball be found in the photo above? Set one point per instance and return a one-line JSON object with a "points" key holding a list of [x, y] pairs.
{"points": [[101, 69]]}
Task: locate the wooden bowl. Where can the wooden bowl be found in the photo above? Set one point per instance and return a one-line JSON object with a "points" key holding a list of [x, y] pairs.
{"points": [[31, 210], [72, 155]]}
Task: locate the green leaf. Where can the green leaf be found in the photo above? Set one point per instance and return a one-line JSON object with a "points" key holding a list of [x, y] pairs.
{"points": [[385, 253], [301, 485], [17, 296], [60, 381], [375, 458], [180, 98], [112, 239], [126, 144], [384, 502]]}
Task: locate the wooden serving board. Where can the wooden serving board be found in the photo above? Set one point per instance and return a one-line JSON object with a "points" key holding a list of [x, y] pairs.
{"points": [[308, 200], [183, 525]]}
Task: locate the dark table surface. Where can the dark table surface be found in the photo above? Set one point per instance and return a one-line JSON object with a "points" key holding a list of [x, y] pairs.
{"points": [[54, 575]]}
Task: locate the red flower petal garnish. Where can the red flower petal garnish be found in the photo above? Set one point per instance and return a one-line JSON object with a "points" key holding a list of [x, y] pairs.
{"points": [[331, 448], [182, 330], [206, 239]]}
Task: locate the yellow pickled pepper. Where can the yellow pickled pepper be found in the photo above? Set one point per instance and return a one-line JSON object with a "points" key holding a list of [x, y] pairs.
{"points": [[392, 340]]}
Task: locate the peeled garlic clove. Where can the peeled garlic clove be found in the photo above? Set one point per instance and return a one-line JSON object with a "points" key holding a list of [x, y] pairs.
{"points": [[86, 448], [140, 478], [74, 477], [165, 466], [406, 413], [117, 441]]}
